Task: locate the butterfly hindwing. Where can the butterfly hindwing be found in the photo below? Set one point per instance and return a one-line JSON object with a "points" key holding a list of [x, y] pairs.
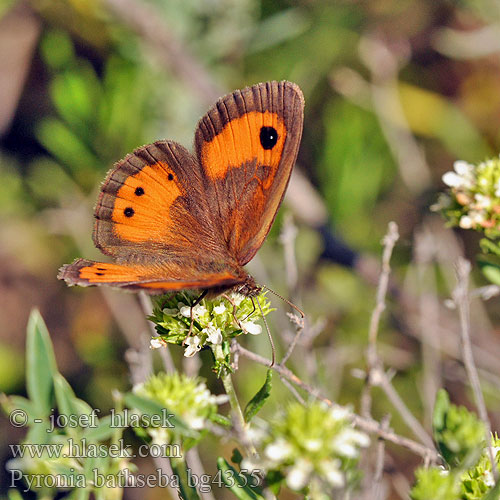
{"points": [[152, 278], [247, 145]]}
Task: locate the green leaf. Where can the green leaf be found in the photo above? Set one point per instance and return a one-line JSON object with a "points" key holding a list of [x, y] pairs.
{"points": [[104, 430], [257, 402], [40, 365], [441, 407], [65, 397], [14, 494], [234, 482], [10, 403], [149, 408], [186, 490], [490, 267]]}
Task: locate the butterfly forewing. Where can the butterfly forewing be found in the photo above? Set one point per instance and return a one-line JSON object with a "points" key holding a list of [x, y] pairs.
{"points": [[247, 145]]}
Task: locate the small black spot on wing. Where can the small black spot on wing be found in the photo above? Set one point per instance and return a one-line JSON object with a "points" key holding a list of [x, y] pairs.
{"points": [[139, 191], [128, 212], [268, 137]]}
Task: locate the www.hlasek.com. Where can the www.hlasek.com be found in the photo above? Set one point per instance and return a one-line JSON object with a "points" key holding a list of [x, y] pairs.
{"points": [[126, 479], [81, 448]]}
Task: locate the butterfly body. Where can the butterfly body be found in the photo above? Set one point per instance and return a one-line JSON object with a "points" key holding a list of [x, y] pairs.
{"points": [[172, 220]]}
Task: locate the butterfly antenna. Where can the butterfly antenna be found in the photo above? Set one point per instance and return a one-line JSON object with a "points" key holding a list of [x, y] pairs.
{"points": [[285, 300], [273, 349]]}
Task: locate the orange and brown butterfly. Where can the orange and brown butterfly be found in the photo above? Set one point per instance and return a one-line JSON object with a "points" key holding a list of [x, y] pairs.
{"points": [[172, 220]]}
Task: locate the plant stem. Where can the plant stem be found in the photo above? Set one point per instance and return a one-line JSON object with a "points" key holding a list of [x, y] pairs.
{"points": [[238, 418]]}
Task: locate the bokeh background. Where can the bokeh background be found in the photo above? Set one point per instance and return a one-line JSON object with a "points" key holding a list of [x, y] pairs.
{"points": [[395, 90]]}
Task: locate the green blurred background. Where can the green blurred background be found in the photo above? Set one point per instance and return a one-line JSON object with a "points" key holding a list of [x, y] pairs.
{"points": [[395, 90]]}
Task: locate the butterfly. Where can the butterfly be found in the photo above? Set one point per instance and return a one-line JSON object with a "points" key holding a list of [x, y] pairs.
{"points": [[172, 220]]}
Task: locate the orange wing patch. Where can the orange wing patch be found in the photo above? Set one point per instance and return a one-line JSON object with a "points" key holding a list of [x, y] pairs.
{"points": [[142, 205], [242, 141]]}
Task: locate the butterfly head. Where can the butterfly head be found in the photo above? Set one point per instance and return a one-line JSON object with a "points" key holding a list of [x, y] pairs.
{"points": [[248, 288]]}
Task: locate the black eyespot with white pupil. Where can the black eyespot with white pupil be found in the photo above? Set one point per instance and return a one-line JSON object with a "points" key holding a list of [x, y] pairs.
{"points": [[268, 137], [128, 212], [139, 191]]}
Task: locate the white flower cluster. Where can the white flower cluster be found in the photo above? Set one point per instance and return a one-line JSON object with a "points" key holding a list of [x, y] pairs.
{"points": [[318, 457], [477, 190], [211, 332]]}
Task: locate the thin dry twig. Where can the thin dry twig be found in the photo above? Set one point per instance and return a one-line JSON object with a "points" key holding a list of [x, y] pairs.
{"points": [[378, 486], [376, 375], [366, 424], [461, 298]]}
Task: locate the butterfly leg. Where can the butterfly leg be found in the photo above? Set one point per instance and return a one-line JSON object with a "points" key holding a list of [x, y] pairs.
{"points": [[254, 309], [236, 320], [195, 303]]}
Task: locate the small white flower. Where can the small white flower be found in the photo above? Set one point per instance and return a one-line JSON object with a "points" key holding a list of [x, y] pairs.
{"points": [[340, 413], [159, 435], [220, 309], [465, 222], [331, 470], [482, 201], [256, 435], [157, 343], [184, 310], [199, 310], [298, 475], [221, 399], [278, 451], [359, 438], [345, 443], [313, 444], [452, 179], [193, 346], [497, 189], [251, 327], [251, 464], [489, 480], [214, 335], [237, 298], [194, 421], [463, 168]]}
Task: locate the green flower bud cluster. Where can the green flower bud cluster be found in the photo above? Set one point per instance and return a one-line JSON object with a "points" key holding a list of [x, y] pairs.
{"points": [[214, 320], [314, 448], [467, 474], [186, 397], [440, 483]]}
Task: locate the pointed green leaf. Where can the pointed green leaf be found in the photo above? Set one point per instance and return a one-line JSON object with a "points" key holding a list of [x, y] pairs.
{"points": [[186, 490], [40, 365], [102, 431], [149, 408], [235, 483], [441, 407], [257, 402]]}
